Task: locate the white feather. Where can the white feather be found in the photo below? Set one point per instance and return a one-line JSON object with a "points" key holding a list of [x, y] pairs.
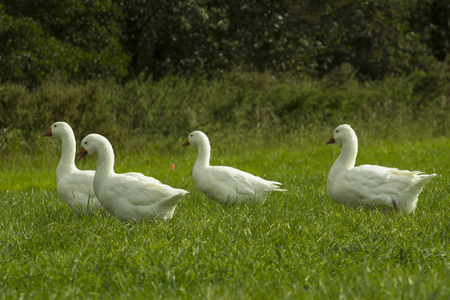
{"points": [[226, 184], [370, 185], [74, 186], [130, 196]]}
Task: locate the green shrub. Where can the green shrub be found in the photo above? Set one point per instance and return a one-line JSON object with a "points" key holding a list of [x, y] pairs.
{"points": [[238, 102], [31, 50]]}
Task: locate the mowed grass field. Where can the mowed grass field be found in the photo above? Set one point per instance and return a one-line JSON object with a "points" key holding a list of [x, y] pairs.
{"points": [[297, 245]]}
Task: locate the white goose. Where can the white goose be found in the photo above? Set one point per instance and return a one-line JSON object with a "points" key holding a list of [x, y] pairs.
{"points": [[370, 185], [74, 186], [130, 196], [226, 184]]}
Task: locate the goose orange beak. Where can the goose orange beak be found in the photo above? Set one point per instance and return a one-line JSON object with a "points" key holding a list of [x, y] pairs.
{"points": [[83, 153], [48, 132], [331, 141], [186, 143]]}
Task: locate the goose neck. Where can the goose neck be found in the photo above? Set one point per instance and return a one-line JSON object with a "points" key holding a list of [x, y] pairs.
{"points": [[68, 150], [204, 153], [347, 158], [105, 160]]}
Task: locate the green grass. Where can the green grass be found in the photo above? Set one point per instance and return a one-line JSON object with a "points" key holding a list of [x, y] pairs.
{"points": [[297, 244]]}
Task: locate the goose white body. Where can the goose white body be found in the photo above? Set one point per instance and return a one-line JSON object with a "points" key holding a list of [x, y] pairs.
{"points": [[74, 186], [226, 185], [129, 196], [370, 185]]}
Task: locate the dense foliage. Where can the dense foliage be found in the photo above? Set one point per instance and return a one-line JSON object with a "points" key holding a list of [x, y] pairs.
{"points": [[84, 39], [237, 102]]}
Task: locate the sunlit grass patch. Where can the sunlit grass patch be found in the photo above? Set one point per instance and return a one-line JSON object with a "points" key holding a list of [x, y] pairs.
{"points": [[298, 244]]}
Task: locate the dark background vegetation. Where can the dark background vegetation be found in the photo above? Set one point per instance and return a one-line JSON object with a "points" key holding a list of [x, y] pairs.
{"points": [[168, 67], [122, 39]]}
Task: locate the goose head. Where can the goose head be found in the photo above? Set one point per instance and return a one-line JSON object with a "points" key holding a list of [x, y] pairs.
{"points": [[58, 129], [90, 145], [342, 134], [195, 139]]}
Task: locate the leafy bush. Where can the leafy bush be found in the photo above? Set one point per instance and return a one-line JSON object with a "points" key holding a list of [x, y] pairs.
{"points": [[87, 40], [30, 51], [239, 102]]}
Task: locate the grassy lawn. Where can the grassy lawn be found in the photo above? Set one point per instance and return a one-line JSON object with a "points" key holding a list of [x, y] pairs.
{"points": [[298, 244]]}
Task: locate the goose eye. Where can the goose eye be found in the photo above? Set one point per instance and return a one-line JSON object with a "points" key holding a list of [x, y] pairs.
{"points": [[85, 143], [337, 131], [55, 125], [192, 135]]}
